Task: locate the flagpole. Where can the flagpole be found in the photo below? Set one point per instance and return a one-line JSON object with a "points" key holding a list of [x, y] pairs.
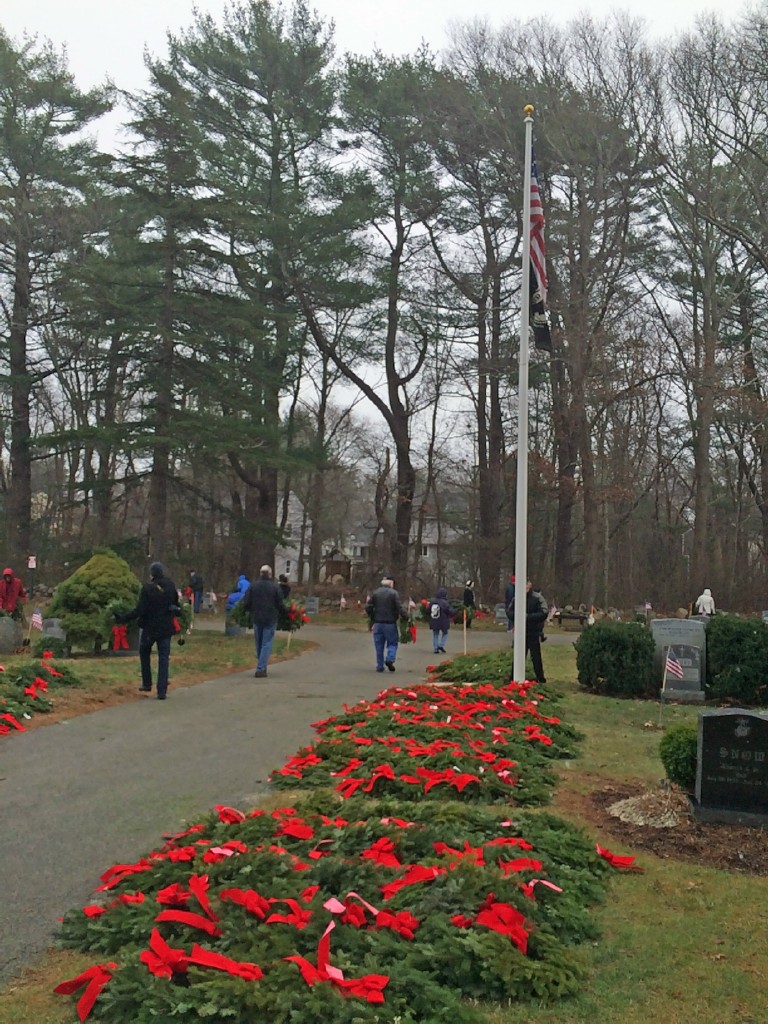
{"points": [[665, 655], [521, 509]]}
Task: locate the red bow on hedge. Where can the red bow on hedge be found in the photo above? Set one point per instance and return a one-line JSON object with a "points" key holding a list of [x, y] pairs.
{"points": [[119, 638], [94, 979]]}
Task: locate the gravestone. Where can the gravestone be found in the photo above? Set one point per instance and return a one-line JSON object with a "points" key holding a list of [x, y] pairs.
{"points": [[10, 634], [500, 613], [54, 629], [312, 606], [688, 642], [732, 767], [765, 617]]}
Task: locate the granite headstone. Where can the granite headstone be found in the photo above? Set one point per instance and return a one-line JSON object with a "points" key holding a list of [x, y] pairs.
{"points": [[312, 606], [687, 639], [732, 767]]}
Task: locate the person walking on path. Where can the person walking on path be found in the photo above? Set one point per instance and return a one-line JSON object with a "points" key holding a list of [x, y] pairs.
{"points": [[705, 603], [11, 592], [469, 601], [385, 609], [156, 610], [264, 602], [284, 585], [536, 613], [196, 588], [440, 617]]}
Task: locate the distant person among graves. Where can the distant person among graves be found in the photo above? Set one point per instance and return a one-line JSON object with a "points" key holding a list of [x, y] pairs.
{"points": [[11, 593], [705, 603], [196, 587], [469, 601], [536, 612], [440, 617], [156, 610], [263, 600], [284, 586], [385, 609]]}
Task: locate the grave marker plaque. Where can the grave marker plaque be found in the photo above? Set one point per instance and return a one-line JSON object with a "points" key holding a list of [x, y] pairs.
{"points": [[688, 642], [312, 606], [732, 767]]}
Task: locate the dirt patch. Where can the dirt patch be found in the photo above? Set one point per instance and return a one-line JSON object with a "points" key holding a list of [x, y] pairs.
{"points": [[734, 848]]}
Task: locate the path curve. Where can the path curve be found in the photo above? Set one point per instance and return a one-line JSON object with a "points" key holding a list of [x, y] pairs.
{"points": [[83, 794]]}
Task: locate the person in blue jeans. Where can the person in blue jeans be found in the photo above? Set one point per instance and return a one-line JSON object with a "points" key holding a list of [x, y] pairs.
{"points": [[385, 609], [440, 617], [158, 606], [264, 602]]}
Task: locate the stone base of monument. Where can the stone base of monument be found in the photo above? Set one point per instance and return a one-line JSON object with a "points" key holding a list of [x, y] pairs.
{"points": [[683, 696], [728, 816]]}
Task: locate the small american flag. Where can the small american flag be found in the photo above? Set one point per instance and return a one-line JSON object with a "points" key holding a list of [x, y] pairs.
{"points": [[37, 619], [673, 667]]}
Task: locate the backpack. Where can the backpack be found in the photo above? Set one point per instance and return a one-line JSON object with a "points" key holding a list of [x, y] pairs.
{"points": [[435, 610]]}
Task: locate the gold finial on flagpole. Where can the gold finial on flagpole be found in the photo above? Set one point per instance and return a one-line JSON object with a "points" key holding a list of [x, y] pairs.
{"points": [[528, 110]]}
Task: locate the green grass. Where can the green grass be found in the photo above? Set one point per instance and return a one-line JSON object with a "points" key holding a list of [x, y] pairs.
{"points": [[682, 943]]}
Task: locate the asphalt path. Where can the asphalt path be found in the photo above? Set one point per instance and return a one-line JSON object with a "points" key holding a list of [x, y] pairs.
{"points": [[100, 789]]}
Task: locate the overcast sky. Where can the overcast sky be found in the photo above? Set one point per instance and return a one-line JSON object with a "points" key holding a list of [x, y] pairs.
{"points": [[108, 38]]}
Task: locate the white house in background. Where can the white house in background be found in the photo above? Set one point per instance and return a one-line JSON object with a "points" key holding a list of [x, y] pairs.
{"points": [[288, 553]]}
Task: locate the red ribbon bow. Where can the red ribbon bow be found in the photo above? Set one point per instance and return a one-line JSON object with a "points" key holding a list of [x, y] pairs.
{"points": [[94, 979], [120, 638]]}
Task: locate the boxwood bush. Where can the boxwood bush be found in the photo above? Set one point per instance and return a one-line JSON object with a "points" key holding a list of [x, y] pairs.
{"points": [[616, 659], [737, 656], [677, 751]]}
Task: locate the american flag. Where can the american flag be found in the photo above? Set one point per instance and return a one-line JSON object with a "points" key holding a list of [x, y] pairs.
{"points": [[538, 284], [37, 619], [673, 666]]}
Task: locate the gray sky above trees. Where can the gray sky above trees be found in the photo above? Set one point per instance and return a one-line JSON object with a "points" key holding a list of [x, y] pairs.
{"points": [[105, 39]]}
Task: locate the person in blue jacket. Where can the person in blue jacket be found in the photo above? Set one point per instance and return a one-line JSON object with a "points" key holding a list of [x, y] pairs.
{"points": [[440, 617], [241, 588]]}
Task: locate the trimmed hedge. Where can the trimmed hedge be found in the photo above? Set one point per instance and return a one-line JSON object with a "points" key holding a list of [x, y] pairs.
{"points": [[677, 751], [616, 659], [737, 655]]}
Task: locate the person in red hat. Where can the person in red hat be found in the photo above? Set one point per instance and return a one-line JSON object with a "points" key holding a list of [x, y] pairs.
{"points": [[11, 592]]}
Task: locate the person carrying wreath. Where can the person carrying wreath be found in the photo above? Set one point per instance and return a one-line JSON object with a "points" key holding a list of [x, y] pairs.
{"points": [[156, 610], [384, 609], [264, 602]]}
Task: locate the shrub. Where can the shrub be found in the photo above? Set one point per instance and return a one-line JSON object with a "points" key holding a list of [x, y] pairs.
{"points": [[616, 659], [737, 653], [104, 582], [677, 751]]}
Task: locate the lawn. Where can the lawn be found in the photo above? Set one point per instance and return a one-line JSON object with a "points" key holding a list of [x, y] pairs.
{"points": [[680, 942]]}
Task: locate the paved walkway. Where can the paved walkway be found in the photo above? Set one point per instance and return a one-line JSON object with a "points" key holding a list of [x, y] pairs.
{"points": [[100, 789]]}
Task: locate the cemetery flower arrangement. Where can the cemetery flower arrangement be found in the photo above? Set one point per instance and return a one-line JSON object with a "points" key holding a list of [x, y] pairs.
{"points": [[24, 692], [377, 907], [407, 629], [291, 617]]}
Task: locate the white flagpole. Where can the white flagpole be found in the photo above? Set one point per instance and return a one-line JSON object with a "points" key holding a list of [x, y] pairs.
{"points": [[521, 510]]}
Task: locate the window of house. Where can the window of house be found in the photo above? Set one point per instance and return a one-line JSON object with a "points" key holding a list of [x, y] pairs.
{"points": [[424, 550], [287, 567]]}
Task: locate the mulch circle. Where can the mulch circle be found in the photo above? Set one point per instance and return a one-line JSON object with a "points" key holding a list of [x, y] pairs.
{"points": [[735, 848]]}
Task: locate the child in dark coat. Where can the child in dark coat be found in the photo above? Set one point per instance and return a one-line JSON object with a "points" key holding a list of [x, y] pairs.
{"points": [[440, 617]]}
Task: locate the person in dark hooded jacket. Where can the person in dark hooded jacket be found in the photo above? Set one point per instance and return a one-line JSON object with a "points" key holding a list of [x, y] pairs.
{"points": [[440, 617], [156, 610]]}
